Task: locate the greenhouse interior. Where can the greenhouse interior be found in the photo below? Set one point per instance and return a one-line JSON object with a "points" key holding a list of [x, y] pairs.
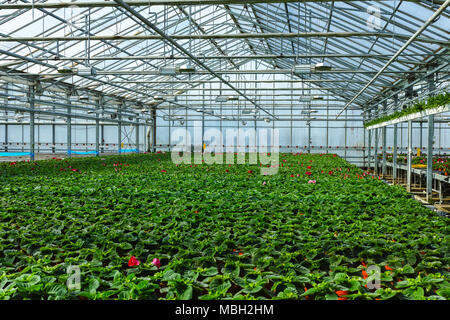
{"points": [[224, 150]]}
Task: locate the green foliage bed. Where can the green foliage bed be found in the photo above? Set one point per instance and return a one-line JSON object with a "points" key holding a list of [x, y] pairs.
{"points": [[219, 231], [432, 102]]}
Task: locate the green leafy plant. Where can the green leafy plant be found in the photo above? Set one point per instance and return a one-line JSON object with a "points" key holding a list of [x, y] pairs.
{"points": [[155, 230]]}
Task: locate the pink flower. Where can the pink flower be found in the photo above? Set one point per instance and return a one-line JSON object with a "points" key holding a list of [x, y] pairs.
{"points": [[156, 262], [312, 181], [133, 262], [264, 183]]}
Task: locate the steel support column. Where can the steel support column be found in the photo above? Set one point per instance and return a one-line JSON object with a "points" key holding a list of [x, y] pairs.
{"points": [[408, 178], [309, 136], [53, 134], [430, 158], [384, 167], [376, 152], [137, 135], [6, 132], [97, 127], [6, 117], [102, 126], [364, 148], [32, 140], [369, 153], [394, 157], [153, 114], [119, 131], [421, 135], [69, 126], [345, 136]]}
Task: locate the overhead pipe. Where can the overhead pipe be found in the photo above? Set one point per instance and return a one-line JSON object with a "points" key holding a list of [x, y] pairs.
{"points": [[414, 82], [274, 35], [32, 60], [186, 52], [262, 56], [430, 20], [140, 3], [74, 106]]}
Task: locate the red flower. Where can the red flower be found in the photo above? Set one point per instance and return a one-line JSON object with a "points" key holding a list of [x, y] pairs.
{"points": [[292, 175], [250, 171], [342, 298], [227, 170], [308, 173], [341, 293], [365, 275], [156, 262], [74, 170], [309, 167], [330, 172], [12, 163], [388, 268], [241, 253], [164, 171], [133, 262]]}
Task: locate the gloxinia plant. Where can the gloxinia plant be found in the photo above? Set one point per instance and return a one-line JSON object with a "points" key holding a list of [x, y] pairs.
{"points": [[133, 262], [219, 235]]}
